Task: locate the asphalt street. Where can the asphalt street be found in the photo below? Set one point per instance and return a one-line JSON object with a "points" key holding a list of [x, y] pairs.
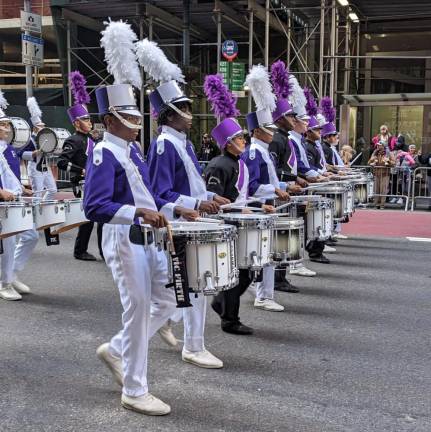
{"points": [[351, 352]]}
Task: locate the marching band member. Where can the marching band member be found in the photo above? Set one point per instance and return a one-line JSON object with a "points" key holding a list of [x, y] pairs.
{"points": [[283, 150], [176, 176], [227, 176], [73, 159], [263, 180], [16, 254], [118, 194], [39, 171]]}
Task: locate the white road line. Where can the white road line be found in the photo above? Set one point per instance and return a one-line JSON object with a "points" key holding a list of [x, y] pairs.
{"points": [[419, 239]]}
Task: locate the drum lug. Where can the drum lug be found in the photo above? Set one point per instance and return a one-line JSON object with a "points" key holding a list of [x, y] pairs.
{"points": [[209, 286]]}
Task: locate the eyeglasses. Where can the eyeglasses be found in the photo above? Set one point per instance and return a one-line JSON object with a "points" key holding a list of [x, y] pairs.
{"points": [[132, 119]]}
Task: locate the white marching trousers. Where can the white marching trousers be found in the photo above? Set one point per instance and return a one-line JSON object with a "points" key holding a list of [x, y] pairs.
{"points": [[26, 242], [43, 180], [337, 228], [265, 289], [194, 323], [140, 274], [17, 250]]}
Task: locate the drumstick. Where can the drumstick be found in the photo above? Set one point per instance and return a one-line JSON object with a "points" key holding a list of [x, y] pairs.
{"points": [[282, 206], [208, 220], [239, 203]]}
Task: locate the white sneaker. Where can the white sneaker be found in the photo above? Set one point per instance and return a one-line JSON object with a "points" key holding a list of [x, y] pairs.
{"points": [[268, 305], [329, 249], [7, 292], [302, 271], [146, 404], [392, 200], [203, 359], [112, 362], [340, 236], [400, 201], [167, 335], [20, 287]]}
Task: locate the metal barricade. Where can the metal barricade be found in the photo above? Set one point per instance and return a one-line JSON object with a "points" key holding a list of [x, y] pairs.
{"points": [[421, 186], [393, 183]]}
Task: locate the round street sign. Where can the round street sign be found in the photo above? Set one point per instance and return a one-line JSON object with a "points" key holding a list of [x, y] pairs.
{"points": [[229, 50]]}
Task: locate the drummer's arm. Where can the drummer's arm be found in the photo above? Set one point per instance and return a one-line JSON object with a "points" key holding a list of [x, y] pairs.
{"points": [[99, 191], [255, 188], [66, 157], [27, 153]]}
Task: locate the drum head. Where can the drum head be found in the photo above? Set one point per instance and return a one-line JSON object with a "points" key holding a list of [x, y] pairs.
{"points": [[46, 140]]}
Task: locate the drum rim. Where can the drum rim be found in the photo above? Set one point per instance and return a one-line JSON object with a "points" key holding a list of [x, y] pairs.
{"points": [[40, 133]]}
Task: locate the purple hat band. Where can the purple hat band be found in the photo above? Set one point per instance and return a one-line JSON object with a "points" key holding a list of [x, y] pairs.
{"points": [[77, 111], [282, 108], [329, 129], [313, 123], [226, 130]]}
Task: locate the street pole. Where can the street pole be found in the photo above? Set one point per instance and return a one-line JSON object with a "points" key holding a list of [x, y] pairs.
{"points": [[28, 68]]}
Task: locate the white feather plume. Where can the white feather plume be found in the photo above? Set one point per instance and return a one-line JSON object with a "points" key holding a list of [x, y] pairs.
{"points": [[258, 82], [156, 64], [118, 42], [321, 119], [33, 108], [3, 102], [297, 98]]}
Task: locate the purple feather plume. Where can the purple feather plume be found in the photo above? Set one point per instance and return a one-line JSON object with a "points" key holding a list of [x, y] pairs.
{"points": [[223, 102], [280, 80], [311, 105], [78, 87], [327, 109]]}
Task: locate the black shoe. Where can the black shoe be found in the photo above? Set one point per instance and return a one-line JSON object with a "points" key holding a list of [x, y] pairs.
{"points": [[85, 257], [237, 328], [320, 259], [331, 242], [216, 307], [285, 286]]}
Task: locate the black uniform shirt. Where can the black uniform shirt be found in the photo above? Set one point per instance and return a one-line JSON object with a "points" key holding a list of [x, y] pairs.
{"points": [[327, 151], [74, 156], [221, 176], [280, 151], [313, 155]]}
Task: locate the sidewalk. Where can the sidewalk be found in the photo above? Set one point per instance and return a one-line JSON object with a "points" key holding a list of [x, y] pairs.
{"points": [[389, 223]]}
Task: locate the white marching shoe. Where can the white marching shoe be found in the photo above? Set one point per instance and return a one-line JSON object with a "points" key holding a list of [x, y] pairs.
{"points": [[146, 404], [268, 305], [21, 287], [302, 271], [112, 362], [7, 292], [340, 236], [167, 335], [329, 249], [203, 359]]}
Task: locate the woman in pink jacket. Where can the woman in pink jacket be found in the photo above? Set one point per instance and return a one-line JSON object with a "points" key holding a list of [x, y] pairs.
{"points": [[389, 141]]}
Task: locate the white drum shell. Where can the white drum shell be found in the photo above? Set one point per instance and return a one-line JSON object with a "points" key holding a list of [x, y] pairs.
{"points": [[60, 134], [288, 240], [49, 213], [320, 220], [211, 255], [20, 133], [15, 218], [75, 216], [339, 195]]}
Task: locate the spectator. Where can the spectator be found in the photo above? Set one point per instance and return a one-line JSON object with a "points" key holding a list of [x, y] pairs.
{"points": [[407, 163], [207, 151], [425, 159], [347, 153], [402, 142], [395, 178], [381, 164], [386, 139]]}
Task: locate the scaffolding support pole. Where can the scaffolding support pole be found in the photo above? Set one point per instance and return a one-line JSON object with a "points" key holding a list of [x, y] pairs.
{"points": [[142, 90], [69, 61], [218, 40], [250, 48], [150, 37], [28, 68], [358, 53], [333, 47], [322, 46], [289, 36], [267, 5], [347, 59]]}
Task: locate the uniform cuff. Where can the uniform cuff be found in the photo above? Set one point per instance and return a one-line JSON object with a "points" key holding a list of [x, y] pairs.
{"points": [[186, 201], [169, 211], [125, 215]]}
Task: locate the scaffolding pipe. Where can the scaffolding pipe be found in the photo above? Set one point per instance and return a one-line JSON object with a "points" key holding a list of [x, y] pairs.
{"points": [[267, 5], [332, 56], [150, 37], [347, 59], [322, 46], [28, 68], [358, 52], [289, 36], [250, 49], [142, 91], [186, 32], [69, 61], [218, 40]]}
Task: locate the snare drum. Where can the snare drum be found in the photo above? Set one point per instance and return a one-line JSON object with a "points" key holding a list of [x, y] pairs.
{"points": [[210, 255], [49, 213], [254, 239], [288, 240], [338, 193], [319, 214], [75, 216], [19, 134], [15, 217], [360, 187], [51, 140]]}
